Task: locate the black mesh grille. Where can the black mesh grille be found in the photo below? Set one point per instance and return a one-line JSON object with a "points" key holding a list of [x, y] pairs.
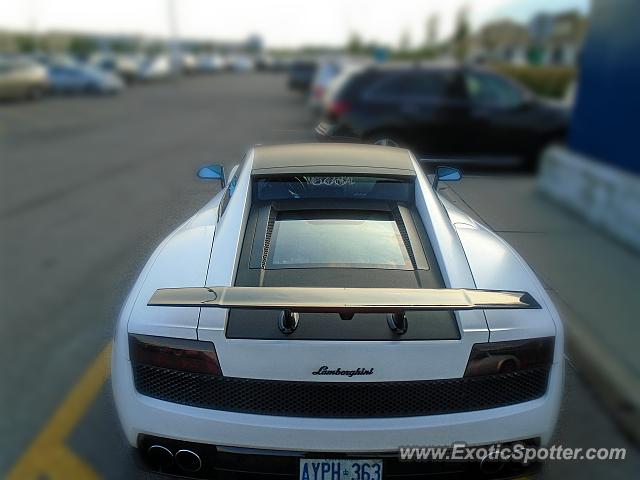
{"points": [[397, 216], [341, 399], [267, 237]]}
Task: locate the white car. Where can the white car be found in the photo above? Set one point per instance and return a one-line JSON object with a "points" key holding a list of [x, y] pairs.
{"points": [[327, 73], [324, 309], [241, 63], [155, 68], [188, 62], [209, 63]]}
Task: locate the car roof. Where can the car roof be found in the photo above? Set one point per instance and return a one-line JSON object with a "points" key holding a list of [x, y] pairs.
{"points": [[418, 66], [335, 158]]}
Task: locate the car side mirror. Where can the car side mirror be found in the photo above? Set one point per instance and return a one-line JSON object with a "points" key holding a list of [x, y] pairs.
{"points": [[446, 174], [212, 172]]}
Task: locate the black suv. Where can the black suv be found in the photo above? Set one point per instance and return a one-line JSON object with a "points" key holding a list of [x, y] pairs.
{"points": [[449, 111]]}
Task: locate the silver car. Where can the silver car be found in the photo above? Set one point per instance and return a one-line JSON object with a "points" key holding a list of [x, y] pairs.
{"points": [[21, 78]]}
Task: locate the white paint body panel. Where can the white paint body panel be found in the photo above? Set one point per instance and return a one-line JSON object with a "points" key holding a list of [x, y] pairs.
{"points": [[140, 414], [182, 259], [204, 251]]}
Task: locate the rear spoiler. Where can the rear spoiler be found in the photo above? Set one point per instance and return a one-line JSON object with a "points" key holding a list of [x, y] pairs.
{"points": [[342, 300], [345, 301]]}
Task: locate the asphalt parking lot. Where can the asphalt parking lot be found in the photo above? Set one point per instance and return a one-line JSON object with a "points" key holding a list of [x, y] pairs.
{"points": [[89, 186]]}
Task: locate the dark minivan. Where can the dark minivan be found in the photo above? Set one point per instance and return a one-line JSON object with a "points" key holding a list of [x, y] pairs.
{"points": [[459, 112], [301, 73]]}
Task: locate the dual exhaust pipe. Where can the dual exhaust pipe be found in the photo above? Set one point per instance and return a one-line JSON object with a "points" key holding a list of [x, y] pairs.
{"points": [[189, 461], [163, 458], [489, 465]]}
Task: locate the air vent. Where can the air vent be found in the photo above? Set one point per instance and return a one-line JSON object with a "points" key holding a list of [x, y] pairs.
{"points": [[267, 237], [397, 216]]}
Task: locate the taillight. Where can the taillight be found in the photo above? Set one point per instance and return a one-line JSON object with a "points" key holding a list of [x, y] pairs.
{"points": [[338, 107], [504, 357], [174, 353]]}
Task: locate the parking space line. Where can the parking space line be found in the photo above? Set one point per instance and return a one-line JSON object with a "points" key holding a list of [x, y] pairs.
{"points": [[48, 456]]}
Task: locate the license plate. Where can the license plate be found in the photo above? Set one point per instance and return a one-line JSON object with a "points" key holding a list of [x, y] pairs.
{"points": [[340, 469]]}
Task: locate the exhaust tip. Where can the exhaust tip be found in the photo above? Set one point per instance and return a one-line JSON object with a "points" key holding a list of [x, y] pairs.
{"points": [[490, 465], [188, 461], [159, 456]]}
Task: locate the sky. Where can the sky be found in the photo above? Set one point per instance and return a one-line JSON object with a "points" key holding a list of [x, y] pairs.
{"points": [[281, 23]]}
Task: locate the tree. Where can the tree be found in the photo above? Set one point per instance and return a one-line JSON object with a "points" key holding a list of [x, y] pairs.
{"points": [[354, 45], [82, 46], [122, 46], [431, 31], [25, 43], [461, 33], [405, 41]]}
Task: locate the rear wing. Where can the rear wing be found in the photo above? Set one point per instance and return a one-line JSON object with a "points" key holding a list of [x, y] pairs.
{"points": [[342, 300], [345, 301]]}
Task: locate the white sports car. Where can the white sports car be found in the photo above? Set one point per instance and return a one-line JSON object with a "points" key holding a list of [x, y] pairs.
{"points": [[326, 308]]}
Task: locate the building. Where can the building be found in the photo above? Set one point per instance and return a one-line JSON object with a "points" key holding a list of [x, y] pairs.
{"points": [[500, 41], [556, 39], [598, 173], [548, 39]]}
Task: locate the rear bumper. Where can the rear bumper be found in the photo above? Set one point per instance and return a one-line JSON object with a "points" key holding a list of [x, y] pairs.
{"points": [[232, 462], [144, 415]]}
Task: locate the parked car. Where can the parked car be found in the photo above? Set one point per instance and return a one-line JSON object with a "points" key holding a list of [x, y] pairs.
{"points": [[342, 309], [280, 64], [210, 63], [70, 78], [301, 74], [458, 112], [325, 73], [265, 63], [126, 67], [241, 63], [21, 78], [155, 68], [188, 63]]}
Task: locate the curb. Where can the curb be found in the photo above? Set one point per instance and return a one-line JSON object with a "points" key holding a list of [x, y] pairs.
{"points": [[607, 197], [612, 382]]}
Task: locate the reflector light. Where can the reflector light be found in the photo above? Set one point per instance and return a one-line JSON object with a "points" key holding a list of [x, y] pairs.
{"points": [[339, 107], [175, 354], [504, 357]]}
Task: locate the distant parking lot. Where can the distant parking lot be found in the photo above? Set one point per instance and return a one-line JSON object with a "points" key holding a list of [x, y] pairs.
{"points": [[89, 186]]}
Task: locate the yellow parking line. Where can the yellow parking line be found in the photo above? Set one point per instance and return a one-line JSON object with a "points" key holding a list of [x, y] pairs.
{"points": [[48, 456]]}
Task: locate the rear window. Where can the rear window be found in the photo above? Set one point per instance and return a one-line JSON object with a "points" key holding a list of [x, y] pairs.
{"points": [[428, 84], [340, 238], [350, 83], [333, 186]]}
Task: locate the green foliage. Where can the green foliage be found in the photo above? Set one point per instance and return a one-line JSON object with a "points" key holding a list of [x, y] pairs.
{"points": [[122, 46], [417, 54], [25, 43], [549, 81], [355, 45], [82, 46], [461, 33]]}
